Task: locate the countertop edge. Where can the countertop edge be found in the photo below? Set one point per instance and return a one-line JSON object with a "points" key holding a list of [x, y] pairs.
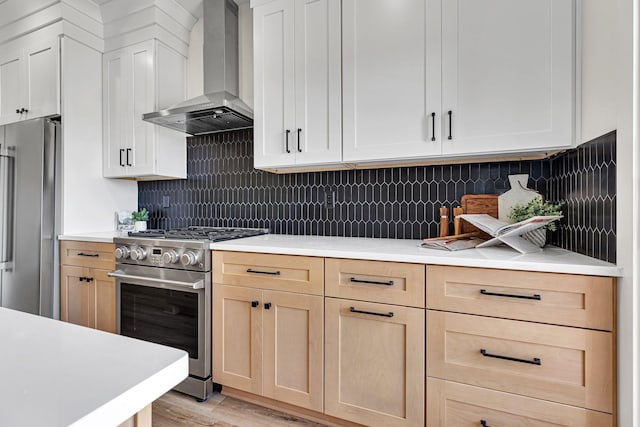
{"points": [[98, 237], [126, 405]]}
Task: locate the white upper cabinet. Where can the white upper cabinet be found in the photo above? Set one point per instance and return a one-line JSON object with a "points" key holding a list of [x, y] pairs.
{"points": [[140, 79], [391, 79], [507, 75], [425, 78], [297, 83], [30, 78]]}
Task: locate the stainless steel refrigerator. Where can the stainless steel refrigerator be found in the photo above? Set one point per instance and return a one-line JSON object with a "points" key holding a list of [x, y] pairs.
{"points": [[28, 215]]}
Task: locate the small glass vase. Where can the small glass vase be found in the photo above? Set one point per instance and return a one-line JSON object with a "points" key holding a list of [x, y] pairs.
{"points": [[538, 237]]}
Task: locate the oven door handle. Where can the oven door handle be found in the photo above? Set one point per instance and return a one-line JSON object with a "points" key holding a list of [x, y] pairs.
{"points": [[119, 274]]}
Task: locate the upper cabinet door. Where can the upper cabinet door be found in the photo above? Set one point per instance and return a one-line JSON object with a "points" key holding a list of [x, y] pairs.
{"points": [[42, 71], [318, 76], [274, 124], [140, 154], [391, 79], [115, 113], [507, 75], [11, 101]]}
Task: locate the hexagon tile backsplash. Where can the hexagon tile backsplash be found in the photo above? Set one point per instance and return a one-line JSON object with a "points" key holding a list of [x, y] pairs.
{"points": [[223, 189]]}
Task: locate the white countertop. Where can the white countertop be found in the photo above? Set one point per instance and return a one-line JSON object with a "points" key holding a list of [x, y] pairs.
{"points": [[99, 236], [552, 259], [58, 374]]}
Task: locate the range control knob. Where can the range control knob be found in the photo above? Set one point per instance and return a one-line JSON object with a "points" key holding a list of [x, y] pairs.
{"points": [[189, 258], [122, 252], [138, 254], [170, 257]]}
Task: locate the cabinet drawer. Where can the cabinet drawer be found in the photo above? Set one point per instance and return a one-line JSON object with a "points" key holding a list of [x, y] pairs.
{"points": [[461, 405], [87, 254], [265, 271], [556, 363], [376, 281], [561, 299]]}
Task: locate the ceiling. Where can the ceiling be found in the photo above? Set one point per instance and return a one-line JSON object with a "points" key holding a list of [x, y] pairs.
{"points": [[194, 7]]}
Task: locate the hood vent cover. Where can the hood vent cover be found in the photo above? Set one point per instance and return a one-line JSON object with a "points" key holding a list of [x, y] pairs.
{"points": [[219, 109]]}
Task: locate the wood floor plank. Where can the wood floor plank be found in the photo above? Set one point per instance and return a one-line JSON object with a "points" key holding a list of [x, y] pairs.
{"points": [[178, 410]]}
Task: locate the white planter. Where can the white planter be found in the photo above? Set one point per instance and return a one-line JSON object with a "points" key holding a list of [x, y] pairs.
{"points": [[140, 225]]}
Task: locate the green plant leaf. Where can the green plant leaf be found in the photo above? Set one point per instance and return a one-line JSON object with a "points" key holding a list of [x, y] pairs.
{"points": [[536, 207]]}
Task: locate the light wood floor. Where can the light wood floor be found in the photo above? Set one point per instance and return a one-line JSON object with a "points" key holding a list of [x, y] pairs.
{"points": [[176, 409]]}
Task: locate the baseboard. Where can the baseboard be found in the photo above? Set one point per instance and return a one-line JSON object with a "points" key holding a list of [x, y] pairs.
{"points": [[297, 411]]}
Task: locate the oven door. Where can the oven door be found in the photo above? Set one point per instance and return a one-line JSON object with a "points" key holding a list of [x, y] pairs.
{"points": [[168, 307]]}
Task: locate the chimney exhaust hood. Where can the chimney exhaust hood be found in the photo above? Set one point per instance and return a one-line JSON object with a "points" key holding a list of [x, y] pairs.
{"points": [[219, 109]]}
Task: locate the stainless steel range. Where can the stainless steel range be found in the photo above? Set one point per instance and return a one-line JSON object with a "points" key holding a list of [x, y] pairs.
{"points": [[163, 293]]}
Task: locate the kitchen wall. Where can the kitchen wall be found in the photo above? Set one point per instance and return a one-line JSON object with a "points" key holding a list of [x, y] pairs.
{"points": [[585, 181], [223, 189]]}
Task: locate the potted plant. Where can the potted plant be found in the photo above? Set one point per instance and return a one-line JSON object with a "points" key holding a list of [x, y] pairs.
{"points": [[140, 219], [536, 207]]}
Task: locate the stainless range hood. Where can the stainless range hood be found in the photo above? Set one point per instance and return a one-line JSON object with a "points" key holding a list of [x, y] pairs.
{"points": [[219, 109]]}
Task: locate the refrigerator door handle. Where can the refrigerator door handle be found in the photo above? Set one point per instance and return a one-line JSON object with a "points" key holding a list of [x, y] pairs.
{"points": [[6, 209]]}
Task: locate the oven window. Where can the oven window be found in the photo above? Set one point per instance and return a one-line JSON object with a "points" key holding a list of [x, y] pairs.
{"points": [[161, 316]]}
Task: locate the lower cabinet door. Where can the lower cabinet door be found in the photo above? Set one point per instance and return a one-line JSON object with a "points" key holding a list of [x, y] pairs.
{"points": [[105, 293], [374, 363], [454, 404], [77, 296], [88, 298], [237, 337], [292, 358]]}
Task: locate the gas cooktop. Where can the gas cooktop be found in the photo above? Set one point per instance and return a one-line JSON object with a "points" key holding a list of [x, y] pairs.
{"points": [[212, 234]]}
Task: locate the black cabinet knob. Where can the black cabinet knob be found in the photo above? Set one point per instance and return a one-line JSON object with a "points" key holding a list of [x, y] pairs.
{"points": [[254, 304], [267, 305]]}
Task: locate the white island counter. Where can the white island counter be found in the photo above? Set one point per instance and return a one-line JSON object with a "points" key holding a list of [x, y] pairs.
{"points": [[58, 374]]}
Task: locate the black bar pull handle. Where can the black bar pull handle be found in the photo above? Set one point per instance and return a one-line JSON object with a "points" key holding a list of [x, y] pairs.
{"points": [[483, 423], [536, 297], [372, 282], [299, 148], [128, 161], [121, 153], [354, 310], [89, 255], [433, 126], [255, 303], [450, 114], [286, 138], [273, 273], [267, 305], [535, 361]]}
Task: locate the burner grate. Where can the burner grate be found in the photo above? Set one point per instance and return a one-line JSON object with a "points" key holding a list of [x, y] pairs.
{"points": [[213, 234]]}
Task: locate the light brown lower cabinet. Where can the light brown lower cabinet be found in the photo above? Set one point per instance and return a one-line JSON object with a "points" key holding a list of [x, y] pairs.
{"points": [[88, 298], [557, 363], [269, 343], [374, 363], [87, 293], [454, 404]]}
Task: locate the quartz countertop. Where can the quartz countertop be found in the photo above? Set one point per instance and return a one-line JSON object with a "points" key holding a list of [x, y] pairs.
{"points": [[98, 236], [59, 374], [551, 259]]}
